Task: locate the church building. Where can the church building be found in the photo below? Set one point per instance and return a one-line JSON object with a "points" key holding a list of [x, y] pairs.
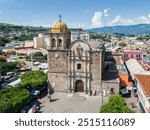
{"points": [[73, 66]]}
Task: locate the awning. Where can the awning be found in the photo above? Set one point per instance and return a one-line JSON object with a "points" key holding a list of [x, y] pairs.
{"points": [[129, 88], [124, 91]]}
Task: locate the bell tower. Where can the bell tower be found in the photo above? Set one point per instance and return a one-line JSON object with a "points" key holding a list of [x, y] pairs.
{"points": [[58, 48], [59, 36]]}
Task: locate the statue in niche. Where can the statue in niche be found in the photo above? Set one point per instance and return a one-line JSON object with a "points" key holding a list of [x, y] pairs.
{"points": [[79, 51]]}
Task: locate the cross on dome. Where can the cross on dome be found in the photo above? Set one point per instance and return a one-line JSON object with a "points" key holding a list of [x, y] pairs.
{"points": [[60, 16]]}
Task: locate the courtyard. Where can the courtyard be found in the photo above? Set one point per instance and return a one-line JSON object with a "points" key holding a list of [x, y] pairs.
{"points": [[68, 103], [78, 103]]}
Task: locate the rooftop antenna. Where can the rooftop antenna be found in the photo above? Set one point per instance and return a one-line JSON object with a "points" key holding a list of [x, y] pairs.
{"points": [[60, 16]]}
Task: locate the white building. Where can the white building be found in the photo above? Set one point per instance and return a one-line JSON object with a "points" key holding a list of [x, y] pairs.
{"points": [[39, 42], [143, 91], [20, 44], [79, 34]]}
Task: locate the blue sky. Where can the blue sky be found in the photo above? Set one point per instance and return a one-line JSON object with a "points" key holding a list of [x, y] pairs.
{"points": [[76, 13]]}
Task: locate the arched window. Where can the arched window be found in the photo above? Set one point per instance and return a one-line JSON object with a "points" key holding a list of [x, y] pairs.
{"points": [[60, 42], [53, 43]]}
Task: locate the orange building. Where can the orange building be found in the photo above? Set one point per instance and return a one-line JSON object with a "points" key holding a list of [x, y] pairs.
{"points": [[124, 80]]}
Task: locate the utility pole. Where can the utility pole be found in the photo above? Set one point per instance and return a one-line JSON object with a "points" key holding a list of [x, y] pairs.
{"points": [[102, 98]]}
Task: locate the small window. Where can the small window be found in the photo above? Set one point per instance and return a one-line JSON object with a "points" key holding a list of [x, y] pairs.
{"points": [[60, 43], [139, 56], [78, 66], [53, 43]]}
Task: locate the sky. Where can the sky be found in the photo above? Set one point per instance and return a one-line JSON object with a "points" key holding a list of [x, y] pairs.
{"points": [[75, 13]]}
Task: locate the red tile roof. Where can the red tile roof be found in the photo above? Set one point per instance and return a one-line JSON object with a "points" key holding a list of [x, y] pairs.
{"points": [[144, 81], [124, 80]]}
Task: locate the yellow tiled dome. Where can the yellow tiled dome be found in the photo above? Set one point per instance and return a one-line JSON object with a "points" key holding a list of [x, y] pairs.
{"points": [[59, 27]]}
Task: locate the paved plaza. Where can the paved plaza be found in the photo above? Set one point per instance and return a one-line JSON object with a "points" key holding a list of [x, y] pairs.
{"points": [[68, 103], [77, 103]]}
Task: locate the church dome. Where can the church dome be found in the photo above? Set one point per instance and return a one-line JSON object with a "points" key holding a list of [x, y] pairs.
{"points": [[59, 27]]}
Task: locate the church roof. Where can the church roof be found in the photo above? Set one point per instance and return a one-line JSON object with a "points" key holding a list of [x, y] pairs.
{"points": [[60, 27]]}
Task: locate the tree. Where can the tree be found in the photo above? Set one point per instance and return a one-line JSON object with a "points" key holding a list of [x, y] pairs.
{"points": [[34, 80], [37, 54], [28, 57], [3, 41], [11, 53], [115, 104], [13, 99], [8, 66], [2, 60], [122, 44]]}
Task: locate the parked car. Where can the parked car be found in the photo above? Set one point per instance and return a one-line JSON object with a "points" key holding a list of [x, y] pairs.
{"points": [[35, 93], [33, 109], [11, 74], [3, 84]]}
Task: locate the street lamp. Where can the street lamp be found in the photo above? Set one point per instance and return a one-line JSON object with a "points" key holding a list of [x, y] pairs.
{"points": [[103, 94], [102, 98]]}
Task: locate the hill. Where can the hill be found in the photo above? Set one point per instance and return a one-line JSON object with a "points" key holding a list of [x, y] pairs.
{"points": [[126, 30]]}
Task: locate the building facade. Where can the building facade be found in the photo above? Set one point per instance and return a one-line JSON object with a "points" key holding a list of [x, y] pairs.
{"points": [[79, 34], [72, 66], [132, 54], [143, 91]]}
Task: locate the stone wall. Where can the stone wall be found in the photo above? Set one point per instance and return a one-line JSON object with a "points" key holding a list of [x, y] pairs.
{"points": [[58, 67], [108, 86], [58, 61], [96, 71], [58, 81]]}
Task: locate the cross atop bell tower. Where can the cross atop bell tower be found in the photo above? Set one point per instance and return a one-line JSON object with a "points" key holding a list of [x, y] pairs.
{"points": [[60, 16]]}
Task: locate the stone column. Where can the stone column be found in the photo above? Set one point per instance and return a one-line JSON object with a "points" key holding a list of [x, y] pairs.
{"points": [[88, 86], [72, 85]]}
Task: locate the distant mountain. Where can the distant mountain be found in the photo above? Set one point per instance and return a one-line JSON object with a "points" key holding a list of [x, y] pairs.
{"points": [[127, 30], [7, 24], [8, 30]]}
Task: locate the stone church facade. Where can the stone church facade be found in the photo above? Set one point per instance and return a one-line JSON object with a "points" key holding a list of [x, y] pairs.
{"points": [[73, 67]]}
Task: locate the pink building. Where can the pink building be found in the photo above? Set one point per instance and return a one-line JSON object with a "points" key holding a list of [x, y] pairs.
{"points": [[132, 54]]}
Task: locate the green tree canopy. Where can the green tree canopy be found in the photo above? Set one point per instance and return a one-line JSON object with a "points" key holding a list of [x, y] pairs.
{"points": [[34, 80], [8, 66], [13, 99], [38, 54], [123, 44], [115, 104], [3, 41], [11, 53]]}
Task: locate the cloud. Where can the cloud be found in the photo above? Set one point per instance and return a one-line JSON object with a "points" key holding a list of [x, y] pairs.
{"points": [[106, 12], [121, 21], [97, 19], [143, 19]]}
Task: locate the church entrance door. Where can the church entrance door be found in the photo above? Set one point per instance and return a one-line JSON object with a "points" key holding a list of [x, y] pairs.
{"points": [[79, 86]]}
